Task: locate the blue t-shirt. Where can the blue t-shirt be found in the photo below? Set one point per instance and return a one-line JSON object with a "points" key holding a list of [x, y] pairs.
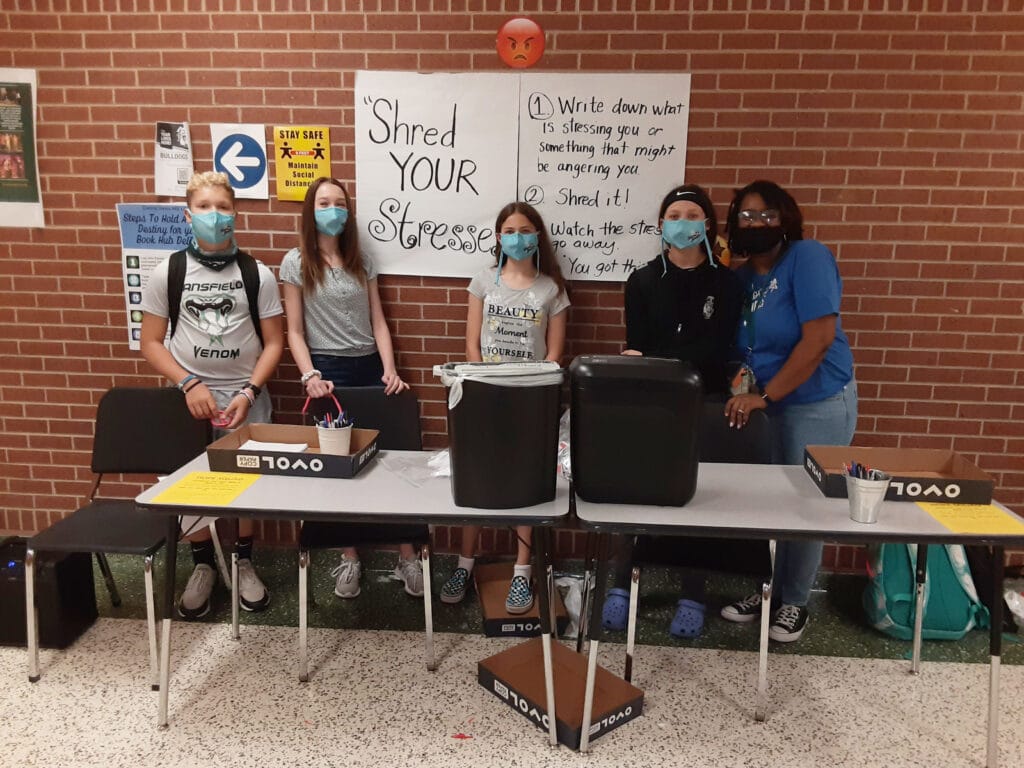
{"points": [[802, 286]]}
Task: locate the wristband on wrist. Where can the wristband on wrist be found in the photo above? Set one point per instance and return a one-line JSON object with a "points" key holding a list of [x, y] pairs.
{"points": [[253, 388], [309, 375], [192, 386], [181, 384], [245, 393], [765, 397]]}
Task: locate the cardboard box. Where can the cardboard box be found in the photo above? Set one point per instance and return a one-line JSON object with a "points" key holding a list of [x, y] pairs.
{"points": [[226, 454], [516, 676], [918, 474], [492, 580]]}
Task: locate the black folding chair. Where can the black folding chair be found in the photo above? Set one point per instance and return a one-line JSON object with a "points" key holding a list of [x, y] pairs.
{"points": [[397, 417], [138, 431]]}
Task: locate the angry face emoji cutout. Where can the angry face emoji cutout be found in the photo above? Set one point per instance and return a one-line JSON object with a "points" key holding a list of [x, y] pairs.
{"points": [[520, 42]]}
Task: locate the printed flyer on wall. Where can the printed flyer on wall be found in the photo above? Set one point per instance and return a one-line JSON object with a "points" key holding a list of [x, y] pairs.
{"points": [[172, 159], [150, 232], [20, 201]]}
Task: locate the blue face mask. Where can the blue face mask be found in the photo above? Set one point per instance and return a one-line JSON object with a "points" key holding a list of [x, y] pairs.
{"points": [[331, 221], [517, 246], [213, 227], [683, 233]]}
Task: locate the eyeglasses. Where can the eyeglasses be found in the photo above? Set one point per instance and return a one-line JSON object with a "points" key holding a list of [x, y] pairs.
{"points": [[769, 217]]}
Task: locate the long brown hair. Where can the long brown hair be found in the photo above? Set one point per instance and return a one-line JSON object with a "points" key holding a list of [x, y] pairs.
{"points": [[547, 263], [348, 239]]}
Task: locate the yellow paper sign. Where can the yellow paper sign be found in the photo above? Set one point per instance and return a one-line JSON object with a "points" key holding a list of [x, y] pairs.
{"points": [[206, 489], [974, 518], [302, 154]]}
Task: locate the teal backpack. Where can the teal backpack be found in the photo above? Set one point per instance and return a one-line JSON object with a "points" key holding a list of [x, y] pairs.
{"points": [[951, 604]]}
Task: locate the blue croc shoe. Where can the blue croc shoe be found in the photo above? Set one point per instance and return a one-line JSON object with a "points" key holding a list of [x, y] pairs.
{"points": [[615, 614], [689, 619]]}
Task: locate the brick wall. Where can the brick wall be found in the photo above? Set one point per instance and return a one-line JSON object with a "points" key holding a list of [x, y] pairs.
{"points": [[897, 125]]}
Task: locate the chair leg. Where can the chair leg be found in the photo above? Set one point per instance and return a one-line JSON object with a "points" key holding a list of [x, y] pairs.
{"points": [[303, 615], [428, 607], [235, 634], [154, 664], [761, 703], [634, 607], [222, 563], [31, 615], [587, 589], [108, 577]]}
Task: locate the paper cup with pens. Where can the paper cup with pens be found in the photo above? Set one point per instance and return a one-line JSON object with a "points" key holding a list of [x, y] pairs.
{"points": [[334, 430], [865, 488]]}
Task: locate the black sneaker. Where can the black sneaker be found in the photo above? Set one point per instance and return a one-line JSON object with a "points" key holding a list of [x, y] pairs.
{"points": [[743, 611], [789, 624]]}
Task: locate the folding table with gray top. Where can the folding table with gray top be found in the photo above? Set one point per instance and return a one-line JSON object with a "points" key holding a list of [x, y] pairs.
{"points": [[782, 502], [376, 495]]}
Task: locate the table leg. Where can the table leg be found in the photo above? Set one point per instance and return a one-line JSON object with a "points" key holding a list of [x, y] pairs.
{"points": [[541, 564], [303, 615], [235, 633], [634, 607], [170, 565], [428, 607], [995, 649], [761, 704], [595, 621], [587, 590], [920, 577], [31, 616]]}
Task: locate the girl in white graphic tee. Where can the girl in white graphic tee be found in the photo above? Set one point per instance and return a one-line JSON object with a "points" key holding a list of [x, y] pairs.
{"points": [[516, 313]]}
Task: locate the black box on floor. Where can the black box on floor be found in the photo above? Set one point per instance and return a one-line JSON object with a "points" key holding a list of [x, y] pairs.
{"points": [[65, 596], [492, 582], [634, 429], [516, 676]]}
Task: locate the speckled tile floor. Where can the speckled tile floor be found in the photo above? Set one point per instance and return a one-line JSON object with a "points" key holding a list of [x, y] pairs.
{"points": [[371, 702]]}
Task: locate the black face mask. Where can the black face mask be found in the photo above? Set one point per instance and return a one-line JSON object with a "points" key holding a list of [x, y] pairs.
{"points": [[751, 241]]}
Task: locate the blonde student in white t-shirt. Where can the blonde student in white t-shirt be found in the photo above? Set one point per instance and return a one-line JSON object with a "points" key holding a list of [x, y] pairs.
{"points": [[517, 311]]}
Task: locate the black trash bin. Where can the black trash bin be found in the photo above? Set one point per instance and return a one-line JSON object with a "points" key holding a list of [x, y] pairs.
{"points": [[634, 429], [503, 433]]}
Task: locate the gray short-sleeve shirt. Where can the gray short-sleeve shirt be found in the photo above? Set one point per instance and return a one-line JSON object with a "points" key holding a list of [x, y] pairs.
{"points": [[336, 313], [515, 321]]}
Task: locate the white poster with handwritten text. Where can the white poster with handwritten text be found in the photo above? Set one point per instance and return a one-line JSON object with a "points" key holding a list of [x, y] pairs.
{"points": [[435, 162], [438, 155]]}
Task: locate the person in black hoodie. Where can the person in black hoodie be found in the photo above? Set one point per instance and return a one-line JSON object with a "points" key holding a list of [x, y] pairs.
{"points": [[683, 304]]}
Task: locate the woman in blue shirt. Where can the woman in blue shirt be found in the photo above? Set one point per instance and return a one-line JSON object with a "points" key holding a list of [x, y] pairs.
{"points": [[801, 366]]}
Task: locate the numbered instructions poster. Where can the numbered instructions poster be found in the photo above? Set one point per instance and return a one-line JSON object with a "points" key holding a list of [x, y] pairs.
{"points": [[437, 156]]}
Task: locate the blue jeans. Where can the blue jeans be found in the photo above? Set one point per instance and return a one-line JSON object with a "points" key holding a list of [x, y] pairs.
{"points": [[827, 422], [365, 371]]}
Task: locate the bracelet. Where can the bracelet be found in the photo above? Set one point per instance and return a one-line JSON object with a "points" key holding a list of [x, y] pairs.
{"points": [[765, 397], [309, 375], [255, 390], [247, 396], [181, 384], [194, 384]]}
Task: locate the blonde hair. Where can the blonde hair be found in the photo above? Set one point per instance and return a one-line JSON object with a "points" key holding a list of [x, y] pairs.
{"points": [[208, 179]]}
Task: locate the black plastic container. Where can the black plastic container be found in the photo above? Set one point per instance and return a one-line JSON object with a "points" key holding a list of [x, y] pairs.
{"points": [[65, 596], [634, 429], [503, 442]]}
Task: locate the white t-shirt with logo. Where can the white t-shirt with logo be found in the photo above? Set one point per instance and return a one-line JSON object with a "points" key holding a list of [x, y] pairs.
{"points": [[515, 321], [214, 339]]}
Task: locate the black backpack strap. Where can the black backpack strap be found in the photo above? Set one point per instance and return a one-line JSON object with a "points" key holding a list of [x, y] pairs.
{"points": [[251, 280], [175, 286]]}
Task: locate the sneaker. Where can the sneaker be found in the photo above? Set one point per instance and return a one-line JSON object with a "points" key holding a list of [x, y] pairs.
{"points": [[410, 573], [747, 609], [454, 590], [520, 596], [346, 575], [252, 594], [195, 600], [789, 624]]}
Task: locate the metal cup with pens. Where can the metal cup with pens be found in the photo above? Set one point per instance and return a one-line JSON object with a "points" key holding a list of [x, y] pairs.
{"points": [[334, 432], [865, 488]]}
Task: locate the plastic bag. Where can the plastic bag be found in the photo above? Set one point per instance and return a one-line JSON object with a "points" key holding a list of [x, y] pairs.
{"points": [[564, 459], [570, 587], [413, 467], [1013, 594]]}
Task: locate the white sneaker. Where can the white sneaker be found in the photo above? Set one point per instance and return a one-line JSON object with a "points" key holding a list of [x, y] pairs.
{"points": [[195, 600], [346, 575], [252, 593], [410, 573]]}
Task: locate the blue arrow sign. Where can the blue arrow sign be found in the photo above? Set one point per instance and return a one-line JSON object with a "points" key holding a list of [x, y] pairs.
{"points": [[242, 159]]}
